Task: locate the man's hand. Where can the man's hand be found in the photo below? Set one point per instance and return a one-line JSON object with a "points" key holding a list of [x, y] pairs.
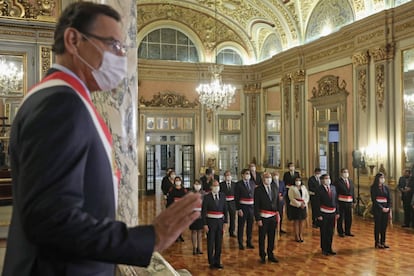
{"points": [[206, 228], [260, 223], [240, 213], [171, 222]]}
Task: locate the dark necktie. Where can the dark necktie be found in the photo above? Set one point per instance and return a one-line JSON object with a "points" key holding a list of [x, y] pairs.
{"points": [[247, 186], [228, 186], [216, 199], [329, 191], [347, 183], [269, 192]]}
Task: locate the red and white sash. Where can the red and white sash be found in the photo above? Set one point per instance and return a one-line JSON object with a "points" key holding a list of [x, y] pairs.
{"points": [[63, 79], [216, 215], [345, 198], [381, 199], [268, 214], [246, 201], [327, 209], [229, 198]]}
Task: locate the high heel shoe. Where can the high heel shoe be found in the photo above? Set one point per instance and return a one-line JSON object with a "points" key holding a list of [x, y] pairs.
{"points": [[379, 246], [199, 251], [194, 251], [385, 246]]}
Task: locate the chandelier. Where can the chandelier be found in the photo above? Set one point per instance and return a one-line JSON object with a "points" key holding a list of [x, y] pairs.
{"points": [[11, 77], [216, 95]]}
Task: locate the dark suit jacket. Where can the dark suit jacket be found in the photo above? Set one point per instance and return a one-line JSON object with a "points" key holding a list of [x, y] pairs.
{"points": [[289, 179], [282, 192], [258, 180], [325, 200], [210, 205], [375, 193], [263, 202], [313, 185], [341, 188], [226, 190], [241, 191], [63, 220]]}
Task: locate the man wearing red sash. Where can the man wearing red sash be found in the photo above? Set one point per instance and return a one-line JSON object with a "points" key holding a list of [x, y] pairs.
{"points": [[64, 182], [328, 213]]}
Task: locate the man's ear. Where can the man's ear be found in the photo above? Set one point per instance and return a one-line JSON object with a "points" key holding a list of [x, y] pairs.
{"points": [[72, 40]]}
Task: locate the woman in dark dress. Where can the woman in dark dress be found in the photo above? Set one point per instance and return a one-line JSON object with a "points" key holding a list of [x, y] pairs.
{"points": [[176, 193], [299, 198], [381, 208], [197, 226]]}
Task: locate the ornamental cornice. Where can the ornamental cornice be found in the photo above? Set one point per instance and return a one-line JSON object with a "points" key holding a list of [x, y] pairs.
{"points": [[382, 53], [361, 58], [329, 85], [42, 10], [168, 99]]}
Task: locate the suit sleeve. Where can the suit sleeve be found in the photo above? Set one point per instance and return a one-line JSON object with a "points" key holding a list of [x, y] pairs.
{"points": [[204, 210], [52, 153], [256, 204], [237, 196]]}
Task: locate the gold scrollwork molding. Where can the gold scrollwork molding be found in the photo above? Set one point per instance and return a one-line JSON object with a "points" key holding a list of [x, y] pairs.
{"points": [[45, 60], [252, 88], [168, 99], [287, 81], [360, 59], [362, 88], [379, 84], [382, 53], [299, 76], [329, 85], [40, 9]]}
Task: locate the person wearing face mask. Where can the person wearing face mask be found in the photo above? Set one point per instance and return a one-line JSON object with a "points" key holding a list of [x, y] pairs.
{"points": [[175, 194], [345, 189], [299, 198], [214, 214], [227, 187], [289, 179], [167, 182], [65, 181], [266, 212], [405, 186], [314, 182], [255, 176], [207, 179], [328, 213], [381, 208], [282, 195], [197, 226], [244, 199]]}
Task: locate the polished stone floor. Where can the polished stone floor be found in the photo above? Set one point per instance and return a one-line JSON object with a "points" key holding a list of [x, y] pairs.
{"points": [[356, 255]]}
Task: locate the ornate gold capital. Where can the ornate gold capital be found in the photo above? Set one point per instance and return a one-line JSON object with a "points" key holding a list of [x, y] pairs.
{"points": [[383, 53], [359, 59], [40, 9]]}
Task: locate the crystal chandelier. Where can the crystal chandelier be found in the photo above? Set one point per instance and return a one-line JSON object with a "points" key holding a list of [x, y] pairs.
{"points": [[216, 95], [11, 77]]}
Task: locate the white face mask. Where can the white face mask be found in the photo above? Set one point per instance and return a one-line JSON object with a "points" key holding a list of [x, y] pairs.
{"points": [[247, 177], [197, 187], [275, 178], [228, 178], [172, 176], [297, 183], [327, 181], [382, 180], [292, 169], [267, 181], [345, 175], [253, 169], [112, 70], [215, 189], [178, 183], [318, 175]]}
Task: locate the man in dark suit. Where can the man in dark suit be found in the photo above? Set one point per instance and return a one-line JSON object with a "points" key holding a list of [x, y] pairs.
{"points": [[214, 215], [328, 213], [266, 212], [313, 184], [64, 189], [280, 185], [289, 178], [405, 186], [227, 187], [255, 176], [345, 189], [244, 199]]}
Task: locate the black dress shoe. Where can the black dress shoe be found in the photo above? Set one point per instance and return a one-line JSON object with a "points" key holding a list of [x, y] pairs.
{"points": [[219, 266], [349, 234], [241, 247], [273, 259], [341, 235], [332, 252], [212, 266], [262, 260], [282, 231], [325, 253], [199, 251], [385, 246], [405, 225], [250, 246], [379, 246], [233, 235]]}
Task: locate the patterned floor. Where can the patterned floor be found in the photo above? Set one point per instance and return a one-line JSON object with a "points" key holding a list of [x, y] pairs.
{"points": [[356, 255]]}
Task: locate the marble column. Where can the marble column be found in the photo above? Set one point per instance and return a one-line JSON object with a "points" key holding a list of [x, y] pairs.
{"points": [[119, 109]]}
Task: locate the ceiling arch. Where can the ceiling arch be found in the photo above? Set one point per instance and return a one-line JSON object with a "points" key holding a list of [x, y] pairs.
{"points": [[249, 22]]}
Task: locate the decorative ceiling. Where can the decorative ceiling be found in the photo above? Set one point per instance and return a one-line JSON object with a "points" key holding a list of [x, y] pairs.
{"points": [[246, 24]]}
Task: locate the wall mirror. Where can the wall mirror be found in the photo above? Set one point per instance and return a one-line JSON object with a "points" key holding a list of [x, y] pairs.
{"points": [[12, 68], [408, 94]]}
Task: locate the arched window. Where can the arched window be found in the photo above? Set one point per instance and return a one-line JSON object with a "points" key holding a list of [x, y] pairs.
{"points": [[229, 56], [271, 46], [168, 44]]}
